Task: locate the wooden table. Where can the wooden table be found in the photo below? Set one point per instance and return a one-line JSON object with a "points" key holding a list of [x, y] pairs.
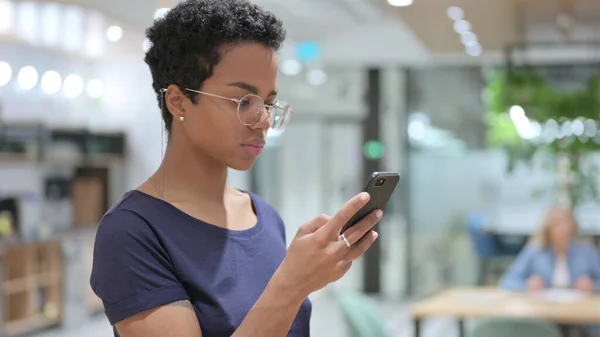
{"points": [[463, 303]]}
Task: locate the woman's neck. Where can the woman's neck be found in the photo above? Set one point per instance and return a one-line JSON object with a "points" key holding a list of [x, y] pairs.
{"points": [[185, 175], [561, 251]]}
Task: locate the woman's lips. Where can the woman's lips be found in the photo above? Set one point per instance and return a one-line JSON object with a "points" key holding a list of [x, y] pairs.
{"points": [[253, 149]]}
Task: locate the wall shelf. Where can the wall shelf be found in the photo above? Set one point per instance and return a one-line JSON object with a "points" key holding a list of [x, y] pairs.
{"points": [[28, 324], [44, 274], [26, 142], [31, 286]]}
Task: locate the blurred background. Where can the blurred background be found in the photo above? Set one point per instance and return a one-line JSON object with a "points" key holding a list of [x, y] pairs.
{"points": [[488, 110]]}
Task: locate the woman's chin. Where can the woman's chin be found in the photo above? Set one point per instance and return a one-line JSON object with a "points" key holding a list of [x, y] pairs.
{"points": [[242, 165]]}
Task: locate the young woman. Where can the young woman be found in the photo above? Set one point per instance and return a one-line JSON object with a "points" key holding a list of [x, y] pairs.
{"points": [[186, 255], [555, 259]]}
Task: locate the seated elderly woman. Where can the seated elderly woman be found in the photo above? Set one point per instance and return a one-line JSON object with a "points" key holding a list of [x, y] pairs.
{"points": [[555, 258]]}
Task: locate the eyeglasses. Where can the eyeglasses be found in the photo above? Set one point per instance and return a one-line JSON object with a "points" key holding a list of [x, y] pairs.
{"points": [[252, 109]]}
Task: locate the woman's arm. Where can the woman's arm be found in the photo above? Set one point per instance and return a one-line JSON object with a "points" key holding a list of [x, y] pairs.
{"points": [[272, 315], [517, 274], [274, 312], [177, 319]]}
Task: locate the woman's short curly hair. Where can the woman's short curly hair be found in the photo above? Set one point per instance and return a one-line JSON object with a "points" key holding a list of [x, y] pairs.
{"points": [[186, 43]]}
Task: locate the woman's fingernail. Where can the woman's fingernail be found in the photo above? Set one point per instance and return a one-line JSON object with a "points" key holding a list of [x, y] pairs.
{"points": [[364, 196], [379, 213], [375, 234]]}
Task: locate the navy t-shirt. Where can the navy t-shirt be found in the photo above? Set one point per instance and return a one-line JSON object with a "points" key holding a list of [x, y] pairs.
{"points": [[149, 253]]}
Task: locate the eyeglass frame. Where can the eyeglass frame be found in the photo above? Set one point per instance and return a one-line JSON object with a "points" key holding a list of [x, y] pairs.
{"points": [[237, 101]]}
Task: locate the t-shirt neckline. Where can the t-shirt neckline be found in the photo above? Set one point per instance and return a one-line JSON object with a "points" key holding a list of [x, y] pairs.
{"points": [[242, 233]]}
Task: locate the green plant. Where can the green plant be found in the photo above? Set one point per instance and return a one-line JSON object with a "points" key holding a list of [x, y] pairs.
{"points": [[542, 103]]}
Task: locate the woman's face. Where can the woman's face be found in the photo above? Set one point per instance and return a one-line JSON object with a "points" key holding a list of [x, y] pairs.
{"points": [[211, 126], [561, 231]]}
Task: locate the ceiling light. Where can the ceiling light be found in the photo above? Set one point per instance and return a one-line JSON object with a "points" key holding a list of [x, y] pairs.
{"points": [[400, 3], [114, 33], [73, 86], [5, 73], [291, 67], [474, 49], [7, 12], [27, 77], [317, 77], [51, 82], [462, 26], [468, 38], [455, 13]]}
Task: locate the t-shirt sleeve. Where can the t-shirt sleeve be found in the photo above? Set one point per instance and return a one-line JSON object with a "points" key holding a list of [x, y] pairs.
{"points": [[131, 270]]}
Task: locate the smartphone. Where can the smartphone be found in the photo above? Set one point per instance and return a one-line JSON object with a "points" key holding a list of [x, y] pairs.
{"points": [[381, 186]]}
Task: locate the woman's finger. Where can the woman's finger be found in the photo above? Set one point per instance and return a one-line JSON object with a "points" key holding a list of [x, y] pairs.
{"points": [[356, 232], [358, 249], [332, 229]]}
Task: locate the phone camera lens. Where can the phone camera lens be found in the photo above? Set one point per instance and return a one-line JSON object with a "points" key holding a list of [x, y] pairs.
{"points": [[379, 182]]}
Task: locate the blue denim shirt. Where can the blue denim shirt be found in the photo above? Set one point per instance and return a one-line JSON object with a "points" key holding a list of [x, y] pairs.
{"points": [[582, 259]]}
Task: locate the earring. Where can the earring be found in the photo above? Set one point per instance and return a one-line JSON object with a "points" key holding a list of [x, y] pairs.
{"points": [[181, 118]]}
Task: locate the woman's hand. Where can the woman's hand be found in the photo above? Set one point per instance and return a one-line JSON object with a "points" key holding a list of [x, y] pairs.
{"points": [[535, 283], [584, 284], [317, 256]]}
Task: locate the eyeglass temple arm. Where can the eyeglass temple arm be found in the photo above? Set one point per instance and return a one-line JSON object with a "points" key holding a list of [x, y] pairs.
{"points": [[214, 95], [164, 90]]}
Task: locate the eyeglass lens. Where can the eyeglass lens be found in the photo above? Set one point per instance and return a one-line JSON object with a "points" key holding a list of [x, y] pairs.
{"points": [[252, 109]]}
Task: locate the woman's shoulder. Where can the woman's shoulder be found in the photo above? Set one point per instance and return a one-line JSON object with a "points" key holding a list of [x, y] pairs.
{"points": [[126, 216], [534, 249], [583, 247]]}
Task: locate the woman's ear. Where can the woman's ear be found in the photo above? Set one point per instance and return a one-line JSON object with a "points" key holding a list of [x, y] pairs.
{"points": [[174, 98]]}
